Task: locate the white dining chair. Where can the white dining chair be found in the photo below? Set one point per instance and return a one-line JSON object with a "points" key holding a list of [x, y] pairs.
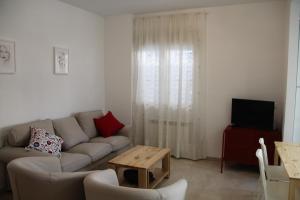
{"points": [[273, 190], [273, 172]]}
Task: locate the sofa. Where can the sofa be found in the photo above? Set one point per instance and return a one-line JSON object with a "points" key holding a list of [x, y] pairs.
{"points": [[83, 148]]}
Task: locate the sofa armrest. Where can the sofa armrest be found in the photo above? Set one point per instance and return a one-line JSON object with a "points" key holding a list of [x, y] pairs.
{"points": [[69, 176], [65, 185], [126, 131]]}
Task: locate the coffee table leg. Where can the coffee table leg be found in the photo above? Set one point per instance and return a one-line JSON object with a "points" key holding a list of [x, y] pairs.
{"points": [[292, 190], [143, 178], [166, 164]]}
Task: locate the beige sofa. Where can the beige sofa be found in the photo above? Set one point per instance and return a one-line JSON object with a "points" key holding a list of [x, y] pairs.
{"points": [[83, 148]]}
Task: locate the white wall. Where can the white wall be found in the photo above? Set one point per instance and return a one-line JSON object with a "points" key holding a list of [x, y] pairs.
{"points": [[246, 55], [290, 101], [245, 60], [34, 92], [117, 54]]}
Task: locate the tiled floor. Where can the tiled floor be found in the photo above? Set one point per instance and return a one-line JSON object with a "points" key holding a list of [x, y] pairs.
{"points": [[206, 182]]}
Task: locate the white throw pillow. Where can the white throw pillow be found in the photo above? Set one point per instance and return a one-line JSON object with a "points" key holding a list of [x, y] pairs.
{"points": [[43, 141]]}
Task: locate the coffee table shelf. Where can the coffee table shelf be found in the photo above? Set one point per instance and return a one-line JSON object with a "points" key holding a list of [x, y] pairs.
{"points": [[159, 175]]}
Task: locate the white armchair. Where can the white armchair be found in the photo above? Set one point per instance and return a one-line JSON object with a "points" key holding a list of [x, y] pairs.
{"points": [[34, 178], [104, 185]]}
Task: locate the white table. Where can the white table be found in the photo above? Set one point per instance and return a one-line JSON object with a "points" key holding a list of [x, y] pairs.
{"points": [[290, 157]]}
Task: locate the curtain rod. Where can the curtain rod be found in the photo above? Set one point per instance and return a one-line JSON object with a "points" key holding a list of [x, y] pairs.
{"points": [[184, 11]]}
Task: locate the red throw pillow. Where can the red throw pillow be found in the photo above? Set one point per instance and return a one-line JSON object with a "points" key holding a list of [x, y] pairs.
{"points": [[108, 125]]}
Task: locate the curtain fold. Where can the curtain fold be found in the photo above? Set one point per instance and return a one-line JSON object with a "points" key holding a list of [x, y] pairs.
{"points": [[170, 83]]}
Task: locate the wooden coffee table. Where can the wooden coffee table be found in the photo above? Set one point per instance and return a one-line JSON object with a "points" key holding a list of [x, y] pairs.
{"points": [[144, 158]]}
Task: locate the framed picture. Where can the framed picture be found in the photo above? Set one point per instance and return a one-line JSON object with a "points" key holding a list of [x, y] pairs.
{"points": [[7, 57], [61, 60]]}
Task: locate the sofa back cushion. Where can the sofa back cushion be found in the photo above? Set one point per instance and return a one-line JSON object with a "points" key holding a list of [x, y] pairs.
{"points": [[70, 131], [85, 120], [19, 135]]}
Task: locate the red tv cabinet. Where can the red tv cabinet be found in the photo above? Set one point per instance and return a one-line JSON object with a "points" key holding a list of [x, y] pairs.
{"points": [[240, 144]]}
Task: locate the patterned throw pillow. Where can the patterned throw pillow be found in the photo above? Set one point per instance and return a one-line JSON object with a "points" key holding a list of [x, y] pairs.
{"points": [[46, 142]]}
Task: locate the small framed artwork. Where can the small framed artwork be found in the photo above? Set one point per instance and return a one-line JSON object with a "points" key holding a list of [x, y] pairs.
{"points": [[7, 57], [61, 60]]}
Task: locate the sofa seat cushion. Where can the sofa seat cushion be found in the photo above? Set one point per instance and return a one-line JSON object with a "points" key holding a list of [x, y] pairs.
{"points": [[20, 134], [7, 153], [117, 142], [96, 151], [86, 122], [70, 131], [71, 162]]}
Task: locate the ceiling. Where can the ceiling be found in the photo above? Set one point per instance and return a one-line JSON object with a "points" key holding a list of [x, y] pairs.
{"points": [[118, 7]]}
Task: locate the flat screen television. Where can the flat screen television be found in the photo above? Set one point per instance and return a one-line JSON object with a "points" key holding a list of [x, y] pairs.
{"points": [[252, 114]]}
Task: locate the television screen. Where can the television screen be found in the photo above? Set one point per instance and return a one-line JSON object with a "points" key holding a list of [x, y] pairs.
{"points": [[252, 114]]}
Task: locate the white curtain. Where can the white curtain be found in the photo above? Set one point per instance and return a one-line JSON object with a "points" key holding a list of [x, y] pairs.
{"points": [[169, 83]]}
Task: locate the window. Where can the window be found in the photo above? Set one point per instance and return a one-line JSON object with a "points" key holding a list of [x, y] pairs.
{"points": [[174, 76]]}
